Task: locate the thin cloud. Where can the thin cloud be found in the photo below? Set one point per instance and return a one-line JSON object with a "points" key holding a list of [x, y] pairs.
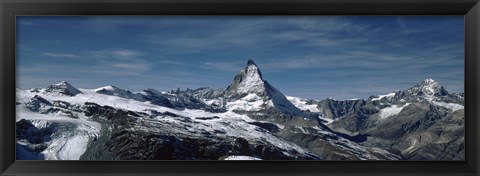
{"points": [[116, 53], [109, 68], [61, 55], [260, 32], [401, 23], [223, 66], [130, 66], [168, 61]]}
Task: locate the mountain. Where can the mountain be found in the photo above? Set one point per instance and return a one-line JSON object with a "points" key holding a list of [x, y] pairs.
{"points": [[157, 98], [115, 91], [248, 81], [408, 122], [250, 89], [427, 88], [61, 89], [250, 119]]}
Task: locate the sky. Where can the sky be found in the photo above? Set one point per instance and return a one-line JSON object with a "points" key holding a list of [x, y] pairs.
{"points": [[316, 57]]}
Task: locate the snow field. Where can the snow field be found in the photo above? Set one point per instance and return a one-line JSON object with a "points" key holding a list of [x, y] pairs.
{"points": [[391, 111], [235, 157]]}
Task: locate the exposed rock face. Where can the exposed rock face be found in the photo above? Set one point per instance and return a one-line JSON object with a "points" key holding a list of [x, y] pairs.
{"points": [[444, 140], [32, 140], [335, 109], [187, 100], [157, 98]]}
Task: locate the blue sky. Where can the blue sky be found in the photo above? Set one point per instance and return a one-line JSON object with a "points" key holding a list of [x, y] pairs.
{"points": [[305, 56]]}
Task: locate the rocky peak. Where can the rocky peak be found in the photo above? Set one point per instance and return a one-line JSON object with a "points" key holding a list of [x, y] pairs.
{"points": [[429, 81], [252, 70], [249, 80], [115, 91], [251, 62], [428, 87], [63, 88]]}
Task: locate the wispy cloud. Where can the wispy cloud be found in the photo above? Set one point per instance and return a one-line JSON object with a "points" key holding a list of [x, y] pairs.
{"points": [[223, 66], [261, 33], [116, 53], [168, 61], [61, 55], [113, 62], [401, 23], [109, 53], [131, 66]]}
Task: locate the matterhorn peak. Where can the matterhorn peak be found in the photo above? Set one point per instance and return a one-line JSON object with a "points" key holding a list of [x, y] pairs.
{"points": [[249, 80], [251, 62], [249, 83], [252, 70]]}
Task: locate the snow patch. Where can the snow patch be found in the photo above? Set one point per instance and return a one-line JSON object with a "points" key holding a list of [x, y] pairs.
{"points": [[108, 88], [252, 82], [251, 102], [390, 95], [241, 158], [391, 111], [302, 104], [328, 120], [412, 145], [452, 106]]}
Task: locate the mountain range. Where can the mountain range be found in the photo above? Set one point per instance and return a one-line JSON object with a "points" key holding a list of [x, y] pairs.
{"points": [[250, 119]]}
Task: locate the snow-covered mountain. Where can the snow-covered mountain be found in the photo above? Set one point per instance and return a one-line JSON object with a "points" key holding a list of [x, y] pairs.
{"points": [[250, 92], [399, 120], [248, 81], [115, 91], [427, 88], [250, 119], [63, 88]]}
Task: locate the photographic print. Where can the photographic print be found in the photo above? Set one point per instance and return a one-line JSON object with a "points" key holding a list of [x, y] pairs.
{"points": [[240, 88]]}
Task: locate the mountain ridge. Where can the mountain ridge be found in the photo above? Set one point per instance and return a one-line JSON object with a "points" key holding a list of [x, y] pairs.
{"points": [[248, 118]]}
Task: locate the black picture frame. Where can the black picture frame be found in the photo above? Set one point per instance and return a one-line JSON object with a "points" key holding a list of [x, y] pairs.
{"points": [[11, 8]]}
